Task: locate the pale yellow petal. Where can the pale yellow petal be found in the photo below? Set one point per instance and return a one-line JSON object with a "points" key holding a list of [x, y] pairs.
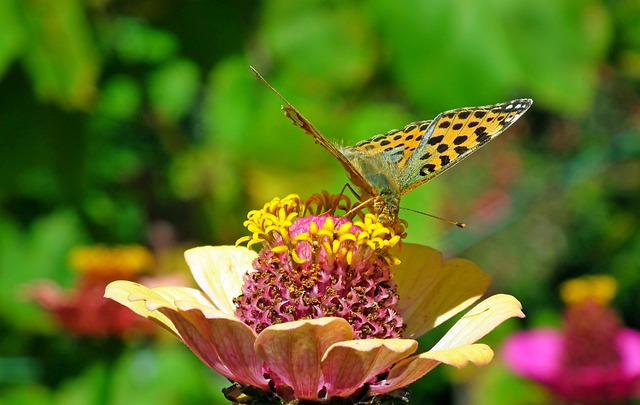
{"points": [[120, 291], [482, 319], [407, 371], [348, 365], [432, 291], [218, 270]]}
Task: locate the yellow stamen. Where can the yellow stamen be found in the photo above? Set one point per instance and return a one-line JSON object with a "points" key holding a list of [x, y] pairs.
{"points": [[279, 249], [270, 226], [296, 258]]}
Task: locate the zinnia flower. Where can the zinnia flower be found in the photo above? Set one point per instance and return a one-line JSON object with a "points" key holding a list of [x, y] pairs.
{"points": [[83, 310], [594, 360], [327, 311]]}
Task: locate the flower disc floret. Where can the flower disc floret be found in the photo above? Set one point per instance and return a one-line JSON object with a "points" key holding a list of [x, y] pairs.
{"points": [[319, 266]]}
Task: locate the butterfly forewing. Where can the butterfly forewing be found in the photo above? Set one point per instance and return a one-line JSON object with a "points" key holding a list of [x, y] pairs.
{"points": [[397, 145], [454, 135]]}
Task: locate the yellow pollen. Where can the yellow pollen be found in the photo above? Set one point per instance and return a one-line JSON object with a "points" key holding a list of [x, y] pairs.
{"points": [[326, 232], [302, 237], [345, 228], [380, 232], [346, 237], [600, 289], [378, 242], [329, 224], [313, 228], [343, 251], [242, 240], [279, 249]]}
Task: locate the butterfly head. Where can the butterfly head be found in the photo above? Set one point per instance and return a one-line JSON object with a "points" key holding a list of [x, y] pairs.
{"points": [[384, 197]]}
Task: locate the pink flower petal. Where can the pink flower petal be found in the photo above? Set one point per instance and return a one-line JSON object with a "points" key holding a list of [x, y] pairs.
{"points": [[629, 345], [432, 291], [47, 294], [534, 354], [218, 270], [224, 343], [294, 351], [537, 355], [221, 341], [348, 365], [413, 368]]}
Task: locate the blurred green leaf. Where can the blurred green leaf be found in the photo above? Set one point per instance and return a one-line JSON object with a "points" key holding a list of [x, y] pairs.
{"points": [[40, 251], [321, 41], [136, 41], [149, 377], [11, 34], [173, 88], [120, 99], [466, 53], [60, 56]]}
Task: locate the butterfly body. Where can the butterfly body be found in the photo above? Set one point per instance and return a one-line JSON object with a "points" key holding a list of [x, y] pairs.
{"points": [[381, 186], [388, 166]]}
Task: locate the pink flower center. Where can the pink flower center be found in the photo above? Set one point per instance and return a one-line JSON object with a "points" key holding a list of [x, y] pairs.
{"points": [[322, 271], [590, 336]]}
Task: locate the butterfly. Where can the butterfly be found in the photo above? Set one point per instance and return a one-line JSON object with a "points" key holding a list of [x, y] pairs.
{"points": [[388, 166]]}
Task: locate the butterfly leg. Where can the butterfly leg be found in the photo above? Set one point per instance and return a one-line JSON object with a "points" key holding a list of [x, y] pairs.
{"points": [[357, 208], [334, 201], [354, 192]]}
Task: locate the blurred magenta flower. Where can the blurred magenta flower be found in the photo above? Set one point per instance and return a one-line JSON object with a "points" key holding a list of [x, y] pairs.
{"points": [[594, 360], [328, 310], [83, 310]]}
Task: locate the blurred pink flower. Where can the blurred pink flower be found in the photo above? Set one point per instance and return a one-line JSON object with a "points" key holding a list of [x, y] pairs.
{"points": [[83, 310], [328, 309], [594, 360]]}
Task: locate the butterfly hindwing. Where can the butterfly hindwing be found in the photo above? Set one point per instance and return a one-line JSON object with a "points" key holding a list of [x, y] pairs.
{"points": [[454, 135]]}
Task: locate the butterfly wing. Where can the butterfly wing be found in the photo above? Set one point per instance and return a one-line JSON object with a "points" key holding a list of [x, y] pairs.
{"points": [[395, 146], [454, 135], [301, 122]]}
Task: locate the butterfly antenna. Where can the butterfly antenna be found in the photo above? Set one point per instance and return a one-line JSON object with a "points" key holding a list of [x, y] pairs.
{"points": [[298, 119], [262, 79], [456, 223]]}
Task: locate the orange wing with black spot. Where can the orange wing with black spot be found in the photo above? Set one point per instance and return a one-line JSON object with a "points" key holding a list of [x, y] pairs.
{"points": [[397, 145], [450, 137]]}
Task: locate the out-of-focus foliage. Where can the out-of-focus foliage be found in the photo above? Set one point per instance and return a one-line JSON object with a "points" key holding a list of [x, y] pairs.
{"points": [[117, 116]]}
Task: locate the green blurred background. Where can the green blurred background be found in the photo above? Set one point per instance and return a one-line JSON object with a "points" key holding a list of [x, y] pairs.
{"points": [[119, 117]]}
